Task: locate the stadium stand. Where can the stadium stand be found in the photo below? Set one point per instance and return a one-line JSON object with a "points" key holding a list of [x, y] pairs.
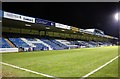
{"points": [[40, 46], [53, 45], [67, 43], [48, 35], [4, 43], [79, 43], [92, 44], [83, 43], [18, 42], [58, 43], [31, 39], [106, 43], [33, 44], [36, 44]]}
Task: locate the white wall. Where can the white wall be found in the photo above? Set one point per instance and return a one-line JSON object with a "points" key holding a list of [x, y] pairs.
{"points": [[3, 50]]}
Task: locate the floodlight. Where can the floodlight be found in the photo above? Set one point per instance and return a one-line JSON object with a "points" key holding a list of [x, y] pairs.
{"points": [[116, 16]]}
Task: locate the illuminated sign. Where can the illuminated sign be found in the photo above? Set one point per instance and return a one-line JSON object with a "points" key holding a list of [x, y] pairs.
{"points": [[58, 25], [44, 22], [81, 30], [18, 17], [28, 19], [75, 29]]}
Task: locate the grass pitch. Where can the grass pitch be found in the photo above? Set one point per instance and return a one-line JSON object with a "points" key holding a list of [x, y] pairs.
{"points": [[63, 63]]}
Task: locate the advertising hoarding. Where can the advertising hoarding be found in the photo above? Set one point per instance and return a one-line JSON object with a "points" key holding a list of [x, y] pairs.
{"points": [[81, 30], [75, 29], [44, 22], [18, 17], [58, 25], [3, 50]]}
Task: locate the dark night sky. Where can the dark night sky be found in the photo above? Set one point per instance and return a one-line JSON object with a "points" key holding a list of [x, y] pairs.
{"points": [[78, 14]]}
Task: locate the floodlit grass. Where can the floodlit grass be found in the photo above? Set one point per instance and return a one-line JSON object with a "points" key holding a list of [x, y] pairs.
{"points": [[109, 71], [63, 63], [12, 72]]}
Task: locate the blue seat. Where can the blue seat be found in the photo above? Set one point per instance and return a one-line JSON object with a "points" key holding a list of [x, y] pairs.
{"points": [[4, 43], [31, 39], [53, 45], [40, 46], [18, 42], [58, 43]]}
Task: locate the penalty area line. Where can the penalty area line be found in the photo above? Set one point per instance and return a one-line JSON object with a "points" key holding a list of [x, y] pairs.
{"points": [[27, 70], [92, 72]]}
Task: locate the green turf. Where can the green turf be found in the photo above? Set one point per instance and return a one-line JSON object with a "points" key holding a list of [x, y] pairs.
{"points": [[12, 72], [63, 63], [109, 71]]}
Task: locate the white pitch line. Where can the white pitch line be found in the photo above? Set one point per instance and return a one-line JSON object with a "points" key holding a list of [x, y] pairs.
{"points": [[24, 69], [83, 77]]}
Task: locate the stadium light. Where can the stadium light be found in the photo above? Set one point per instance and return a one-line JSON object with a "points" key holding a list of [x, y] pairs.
{"points": [[74, 32], [116, 16], [27, 25], [63, 30], [47, 28]]}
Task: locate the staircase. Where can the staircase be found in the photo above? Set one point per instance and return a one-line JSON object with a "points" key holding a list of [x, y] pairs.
{"points": [[12, 45], [29, 43]]}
